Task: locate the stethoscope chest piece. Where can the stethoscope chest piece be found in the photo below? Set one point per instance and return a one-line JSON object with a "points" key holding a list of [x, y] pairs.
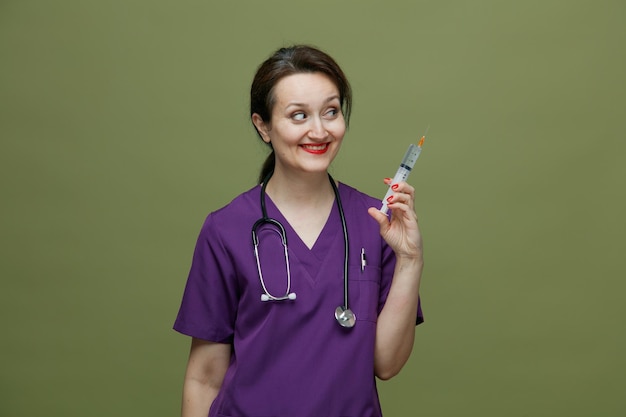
{"points": [[345, 317]]}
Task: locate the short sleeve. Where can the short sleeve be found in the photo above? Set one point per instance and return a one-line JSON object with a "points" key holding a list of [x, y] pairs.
{"points": [[209, 304]]}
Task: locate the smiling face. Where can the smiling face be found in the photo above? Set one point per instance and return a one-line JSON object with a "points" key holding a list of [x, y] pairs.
{"points": [[307, 125]]}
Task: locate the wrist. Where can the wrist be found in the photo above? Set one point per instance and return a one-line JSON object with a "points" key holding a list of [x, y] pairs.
{"points": [[410, 261]]}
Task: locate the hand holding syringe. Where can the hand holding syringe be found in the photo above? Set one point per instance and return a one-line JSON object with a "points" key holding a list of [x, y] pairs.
{"points": [[404, 169]]}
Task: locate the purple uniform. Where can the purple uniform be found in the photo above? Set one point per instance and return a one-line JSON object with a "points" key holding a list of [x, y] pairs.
{"points": [[290, 358]]}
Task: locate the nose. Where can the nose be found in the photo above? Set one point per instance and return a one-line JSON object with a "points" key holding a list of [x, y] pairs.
{"points": [[317, 129]]}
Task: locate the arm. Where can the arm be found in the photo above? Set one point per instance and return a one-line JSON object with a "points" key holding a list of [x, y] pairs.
{"points": [[395, 330], [206, 368]]}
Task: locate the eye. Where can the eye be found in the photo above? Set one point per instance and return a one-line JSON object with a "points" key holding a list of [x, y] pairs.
{"points": [[298, 116], [332, 112]]}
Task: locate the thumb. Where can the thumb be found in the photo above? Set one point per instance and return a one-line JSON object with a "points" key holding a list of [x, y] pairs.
{"points": [[380, 218]]}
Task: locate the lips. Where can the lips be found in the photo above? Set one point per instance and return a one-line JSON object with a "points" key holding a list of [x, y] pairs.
{"points": [[316, 149]]}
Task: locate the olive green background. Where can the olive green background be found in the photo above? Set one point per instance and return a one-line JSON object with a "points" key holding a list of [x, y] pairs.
{"points": [[123, 123]]}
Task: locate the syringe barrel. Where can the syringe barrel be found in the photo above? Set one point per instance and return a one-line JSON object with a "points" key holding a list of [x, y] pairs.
{"points": [[410, 157]]}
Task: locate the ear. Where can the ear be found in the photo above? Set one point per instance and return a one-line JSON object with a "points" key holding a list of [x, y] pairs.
{"points": [[261, 127]]}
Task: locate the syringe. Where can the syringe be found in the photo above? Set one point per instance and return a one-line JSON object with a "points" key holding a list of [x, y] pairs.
{"points": [[404, 169]]}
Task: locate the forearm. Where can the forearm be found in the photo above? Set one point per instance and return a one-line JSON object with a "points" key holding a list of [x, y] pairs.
{"points": [[207, 365], [395, 330], [197, 398]]}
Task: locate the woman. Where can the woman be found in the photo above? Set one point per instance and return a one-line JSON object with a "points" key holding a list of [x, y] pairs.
{"points": [[268, 337]]}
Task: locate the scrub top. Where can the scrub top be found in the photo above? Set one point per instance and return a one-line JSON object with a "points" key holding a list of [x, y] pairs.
{"points": [[290, 358]]}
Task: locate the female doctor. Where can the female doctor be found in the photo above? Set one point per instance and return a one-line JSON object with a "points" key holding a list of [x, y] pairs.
{"points": [[301, 291]]}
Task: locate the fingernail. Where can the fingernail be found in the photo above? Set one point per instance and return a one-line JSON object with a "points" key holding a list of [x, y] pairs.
{"points": [[393, 187], [389, 199], [387, 179]]}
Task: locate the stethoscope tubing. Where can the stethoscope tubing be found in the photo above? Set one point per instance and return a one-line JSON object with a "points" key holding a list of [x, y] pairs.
{"points": [[345, 317], [345, 243], [266, 296]]}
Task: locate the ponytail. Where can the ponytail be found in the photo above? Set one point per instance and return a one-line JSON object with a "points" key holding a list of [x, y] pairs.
{"points": [[268, 166]]}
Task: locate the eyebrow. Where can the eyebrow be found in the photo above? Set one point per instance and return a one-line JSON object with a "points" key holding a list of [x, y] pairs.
{"points": [[297, 104]]}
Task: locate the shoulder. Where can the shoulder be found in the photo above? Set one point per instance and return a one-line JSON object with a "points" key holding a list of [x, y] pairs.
{"points": [[246, 203], [237, 215], [352, 196], [355, 204]]}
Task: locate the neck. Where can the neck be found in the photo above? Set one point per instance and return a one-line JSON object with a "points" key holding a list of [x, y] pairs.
{"points": [[303, 190]]}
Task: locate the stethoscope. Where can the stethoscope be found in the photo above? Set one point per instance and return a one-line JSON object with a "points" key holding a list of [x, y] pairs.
{"points": [[344, 316]]}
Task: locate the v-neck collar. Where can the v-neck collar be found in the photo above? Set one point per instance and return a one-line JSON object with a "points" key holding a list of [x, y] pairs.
{"points": [[312, 258]]}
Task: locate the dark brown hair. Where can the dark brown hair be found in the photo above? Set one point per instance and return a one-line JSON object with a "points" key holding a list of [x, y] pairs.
{"points": [[288, 61]]}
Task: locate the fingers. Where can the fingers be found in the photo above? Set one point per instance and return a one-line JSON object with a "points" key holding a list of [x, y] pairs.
{"points": [[404, 194], [400, 230]]}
